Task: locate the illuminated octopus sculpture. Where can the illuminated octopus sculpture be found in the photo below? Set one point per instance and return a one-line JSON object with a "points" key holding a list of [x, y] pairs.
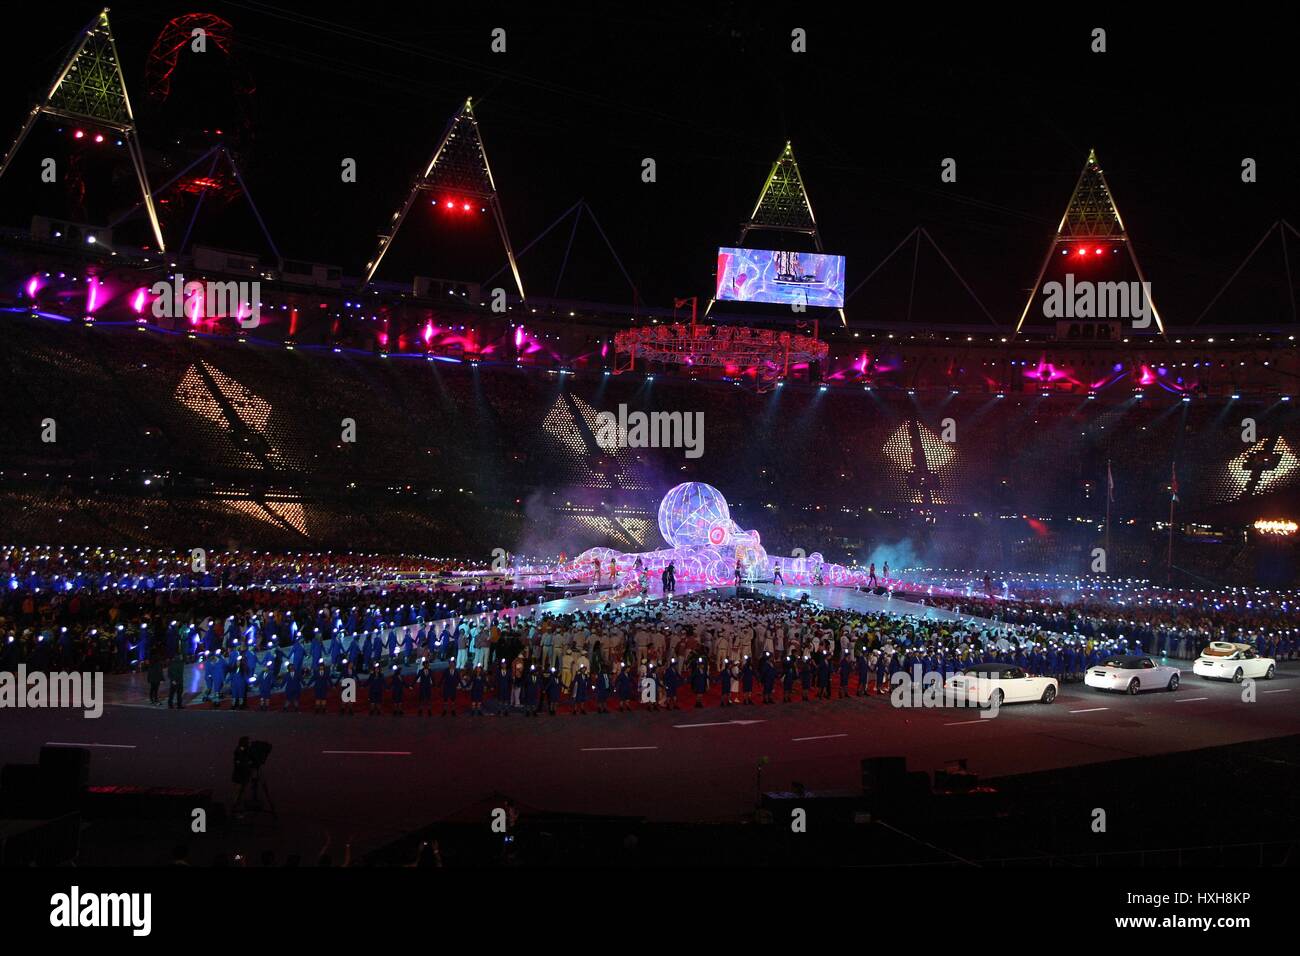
{"points": [[704, 544]]}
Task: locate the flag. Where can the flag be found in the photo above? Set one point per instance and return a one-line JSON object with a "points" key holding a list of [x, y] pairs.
{"points": [[1110, 483], [1173, 484]]}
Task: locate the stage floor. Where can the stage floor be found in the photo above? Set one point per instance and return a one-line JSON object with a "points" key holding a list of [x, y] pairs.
{"points": [[838, 598], [851, 599]]}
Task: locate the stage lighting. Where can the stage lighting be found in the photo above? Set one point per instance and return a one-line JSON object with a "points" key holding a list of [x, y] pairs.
{"points": [[79, 134]]}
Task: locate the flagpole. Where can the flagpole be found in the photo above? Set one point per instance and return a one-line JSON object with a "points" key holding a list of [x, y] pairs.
{"points": [[1169, 554], [1109, 493], [1173, 496]]}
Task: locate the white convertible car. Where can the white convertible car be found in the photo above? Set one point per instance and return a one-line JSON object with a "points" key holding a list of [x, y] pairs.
{"points": [[1223, 660], [1131, 673], [992, 685]]}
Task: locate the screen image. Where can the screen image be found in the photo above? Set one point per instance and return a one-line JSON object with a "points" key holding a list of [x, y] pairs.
{"points": [[768, 275]]}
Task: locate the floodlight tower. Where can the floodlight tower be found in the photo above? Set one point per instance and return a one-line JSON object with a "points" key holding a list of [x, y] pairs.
{"points": [[1091, 216], [90, 87], [460, 165]]}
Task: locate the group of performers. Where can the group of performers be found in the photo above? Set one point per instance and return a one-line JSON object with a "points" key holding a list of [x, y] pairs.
{"points": [[639, 582]]}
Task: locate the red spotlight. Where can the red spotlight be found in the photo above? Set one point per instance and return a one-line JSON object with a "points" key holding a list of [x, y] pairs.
{"points": [[450, 204], [99, 137], [1100, 251], [78, 135], [1083, 251], [465, 206]]}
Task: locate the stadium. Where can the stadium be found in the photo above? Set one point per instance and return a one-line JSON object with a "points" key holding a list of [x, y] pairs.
{"points": [[490, 463]]}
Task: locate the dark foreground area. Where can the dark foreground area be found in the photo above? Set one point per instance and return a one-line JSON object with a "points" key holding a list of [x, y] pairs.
{"points": [[1228, 806]]}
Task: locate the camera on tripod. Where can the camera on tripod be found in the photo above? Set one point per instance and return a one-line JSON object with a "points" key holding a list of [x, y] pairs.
{"points": [[250, 758], [258, 751]]}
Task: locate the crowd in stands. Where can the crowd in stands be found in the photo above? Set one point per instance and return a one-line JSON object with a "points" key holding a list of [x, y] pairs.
{"points": [[125, 402]]}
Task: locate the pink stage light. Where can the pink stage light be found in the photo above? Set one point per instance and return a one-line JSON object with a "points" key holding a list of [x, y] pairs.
{"points": [[1146, 376], [79, 134], [1047, 372], [519, 336], [194, 308], [137, 300], [427, 333], [33, 286], [92, 296]]}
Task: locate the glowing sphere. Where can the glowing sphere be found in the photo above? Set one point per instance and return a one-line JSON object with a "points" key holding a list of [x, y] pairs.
{"points": [[694, 514]]}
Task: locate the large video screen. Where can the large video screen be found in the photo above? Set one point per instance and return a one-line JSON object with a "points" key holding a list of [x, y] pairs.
{"points": [[766, 275]]}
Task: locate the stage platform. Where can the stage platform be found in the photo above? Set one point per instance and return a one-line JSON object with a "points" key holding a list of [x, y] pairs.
{"points": [[838, 598], [851, 599]]}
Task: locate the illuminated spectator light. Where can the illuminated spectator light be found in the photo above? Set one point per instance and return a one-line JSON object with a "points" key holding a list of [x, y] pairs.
{"points": [[1277, 527]]}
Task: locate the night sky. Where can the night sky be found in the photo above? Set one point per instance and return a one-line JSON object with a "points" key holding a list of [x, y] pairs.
{"points": [[711, 92]]}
